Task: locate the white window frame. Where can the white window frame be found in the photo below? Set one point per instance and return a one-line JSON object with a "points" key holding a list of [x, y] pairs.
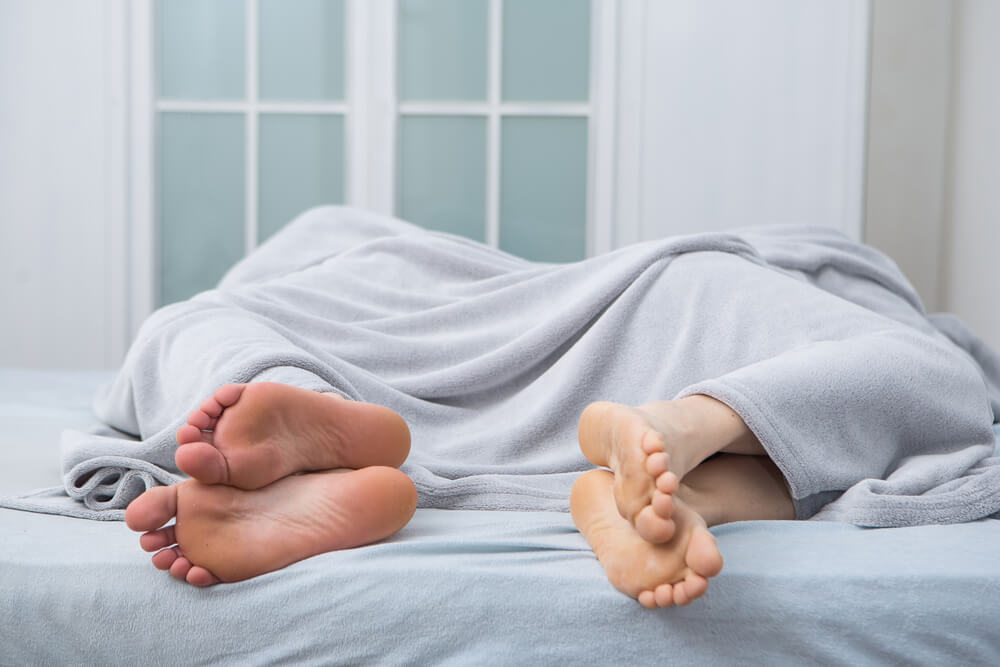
{"points": [[371, 112]]}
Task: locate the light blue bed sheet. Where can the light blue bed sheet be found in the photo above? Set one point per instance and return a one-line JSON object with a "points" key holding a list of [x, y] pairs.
{"points": [[469, 587]]}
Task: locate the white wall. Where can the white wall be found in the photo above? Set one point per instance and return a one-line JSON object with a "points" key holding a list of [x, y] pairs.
{"points": [[58, 276], [971, 286], [741, 113], [907, 138]]}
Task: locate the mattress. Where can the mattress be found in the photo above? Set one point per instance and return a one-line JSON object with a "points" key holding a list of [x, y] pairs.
{"points": [[473, 587]]}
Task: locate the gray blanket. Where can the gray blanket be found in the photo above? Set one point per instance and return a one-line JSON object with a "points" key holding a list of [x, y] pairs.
{"points": [[877, 414]]}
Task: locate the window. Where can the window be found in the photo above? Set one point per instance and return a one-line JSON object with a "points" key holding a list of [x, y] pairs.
{"points": [[492, 121], [251, 111]]}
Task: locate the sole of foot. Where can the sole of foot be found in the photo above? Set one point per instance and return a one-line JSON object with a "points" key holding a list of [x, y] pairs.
{"points": [[250, 435], [657, 575], [633, 444], [224, 534]]}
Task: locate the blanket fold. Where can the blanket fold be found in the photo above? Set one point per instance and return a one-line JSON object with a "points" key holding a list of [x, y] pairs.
{"points": [[819, 343]]}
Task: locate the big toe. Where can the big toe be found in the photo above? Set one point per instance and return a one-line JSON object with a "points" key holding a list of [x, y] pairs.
{"points": [[203, 462], [703, 555], [152, 509]]}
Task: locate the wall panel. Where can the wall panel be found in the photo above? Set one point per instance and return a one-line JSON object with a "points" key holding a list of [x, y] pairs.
{"points": [[745, 113], [59, 272]]}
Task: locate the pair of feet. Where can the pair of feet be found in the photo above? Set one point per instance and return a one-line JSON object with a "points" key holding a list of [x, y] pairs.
{"points": [[279, 474], [653, 545]]}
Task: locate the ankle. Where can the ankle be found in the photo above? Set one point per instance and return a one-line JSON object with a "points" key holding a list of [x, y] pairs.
{"points": [[704, 425], [721, 425]]}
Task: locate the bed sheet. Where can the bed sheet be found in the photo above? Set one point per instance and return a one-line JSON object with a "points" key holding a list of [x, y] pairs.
{"points": [[470, 587]]}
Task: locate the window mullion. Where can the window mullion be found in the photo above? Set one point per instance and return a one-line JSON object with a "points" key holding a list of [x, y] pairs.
{"points": [[252, 122], [601, 171], [493, 123], [356, 114], [375, 142]]}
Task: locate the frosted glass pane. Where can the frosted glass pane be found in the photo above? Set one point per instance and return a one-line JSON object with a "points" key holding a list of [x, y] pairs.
{"points": [[301, 165], [442, 49], [201, 200], [546, 50], [200, 48], [442, 173], [543, 188], [302, 49]]}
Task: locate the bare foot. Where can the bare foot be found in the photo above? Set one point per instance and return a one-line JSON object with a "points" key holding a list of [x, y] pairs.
{"points": [[249, 435], [652, 447], [223, 534], [633, 443], [657, 575]]}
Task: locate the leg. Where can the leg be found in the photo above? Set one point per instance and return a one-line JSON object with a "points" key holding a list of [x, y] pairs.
{"points": [[652, 447], [730, 487]]}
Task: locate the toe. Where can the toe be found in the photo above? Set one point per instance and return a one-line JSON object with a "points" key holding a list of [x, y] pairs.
{"points": [[652, 443], [664, 595], [199, 576], [163, 560], [680, 594], [692, 588], [180, 568], [662, 504], [652, 527], [211, 407], [203, 462], [187, 434], [703, 554], [201, 420], [158, 539], [152, 509], [657, 464], [228, 394], [647, 599], [667, 482]]}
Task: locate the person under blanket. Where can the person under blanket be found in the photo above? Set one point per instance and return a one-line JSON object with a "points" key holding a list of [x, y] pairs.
{"points": [[280, 473]]}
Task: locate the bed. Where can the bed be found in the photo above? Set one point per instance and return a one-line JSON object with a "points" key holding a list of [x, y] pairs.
{"points": [[474, 587]]}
